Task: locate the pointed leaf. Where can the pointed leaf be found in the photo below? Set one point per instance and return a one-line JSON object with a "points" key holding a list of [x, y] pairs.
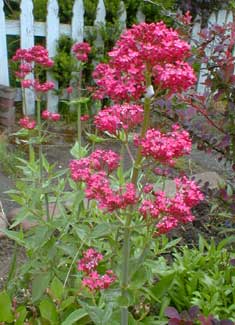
{"points": [[6, 314]]}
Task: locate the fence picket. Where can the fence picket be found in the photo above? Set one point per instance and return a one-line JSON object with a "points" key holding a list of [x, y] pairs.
{"points": [[78, 21], [122, 16], [53, 25], [100, 21], [4, 73], [140, 16], [27, 41], [201, 87]]}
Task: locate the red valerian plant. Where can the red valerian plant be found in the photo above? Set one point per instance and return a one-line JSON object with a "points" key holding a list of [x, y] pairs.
{"points": [[148, 61]]}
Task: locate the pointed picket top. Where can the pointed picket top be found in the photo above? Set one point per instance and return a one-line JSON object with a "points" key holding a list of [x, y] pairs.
{"points": [[27, 41], [221, 17], [53, 29], [229, 18], [122, 15], [196, 30], [212, 19], [140, 16], [78, 21], [26, 24], [100, 13], [4, 73]]}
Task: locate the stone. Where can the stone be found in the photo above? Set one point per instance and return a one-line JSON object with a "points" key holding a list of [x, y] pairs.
{"points": [[3, 223], [213, 179]]}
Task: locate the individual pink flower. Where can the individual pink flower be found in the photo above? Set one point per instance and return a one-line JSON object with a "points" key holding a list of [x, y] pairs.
{"points": [[27, 83], [185, 19], [46, 115], [27, 123], [69, 90], [81, 51], [55, 117], [84, 117], [148, 188]]}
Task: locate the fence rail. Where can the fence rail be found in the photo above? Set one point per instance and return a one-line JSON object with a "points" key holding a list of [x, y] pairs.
{"points": [[27, 29]]}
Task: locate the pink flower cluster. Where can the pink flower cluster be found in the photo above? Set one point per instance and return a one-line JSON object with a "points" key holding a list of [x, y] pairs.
{"points": [[29, 58], [88, 264], [94, 171], [37, 54], [27, 123], [166, 147], [39, 87], [81, 51], [46, 115], [170, 212], [117, 117], [152, 47]]}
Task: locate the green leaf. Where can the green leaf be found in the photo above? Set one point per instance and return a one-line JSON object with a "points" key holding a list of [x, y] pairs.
{"points": [[101, 230], [75, 316], [225, 242], [171, 244], [57, 288], [45, 163], [98, 315], [163, 285], [78, 151], [39, 284], [67, 302], [14, 235], [48, 311], [94, 138], [22, 313], [6, 314]]}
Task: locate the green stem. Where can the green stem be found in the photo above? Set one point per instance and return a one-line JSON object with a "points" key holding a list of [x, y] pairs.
{"points": [[39, 137], [79, 131], [145, 125], [127, 231], [125, 269], [39, 123]]}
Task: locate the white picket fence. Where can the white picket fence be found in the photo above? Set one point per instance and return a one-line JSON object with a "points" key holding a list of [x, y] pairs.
{"points": [[27, 29]]}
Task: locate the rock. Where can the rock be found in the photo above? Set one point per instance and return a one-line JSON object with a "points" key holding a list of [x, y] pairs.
{"points": [[3, 223], [211, 178]]}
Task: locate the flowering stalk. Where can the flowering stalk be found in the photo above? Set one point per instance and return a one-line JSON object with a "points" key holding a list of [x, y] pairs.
{"points": [[79, 131], [39, 124], [127, 231], [38, 107]]}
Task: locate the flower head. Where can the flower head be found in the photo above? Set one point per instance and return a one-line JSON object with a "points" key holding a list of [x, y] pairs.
{"points": [[81, 51], [145, 47], [27, 123], [119, 117]]}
